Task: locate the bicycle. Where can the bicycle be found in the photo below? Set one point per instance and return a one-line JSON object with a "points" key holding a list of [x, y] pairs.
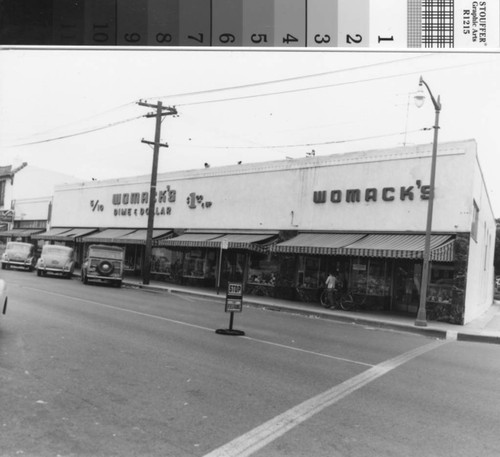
{"points": [[337, 299], [352, 301]]}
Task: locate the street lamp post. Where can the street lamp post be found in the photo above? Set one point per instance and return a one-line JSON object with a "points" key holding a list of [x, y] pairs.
{"points": [[421, 320]]}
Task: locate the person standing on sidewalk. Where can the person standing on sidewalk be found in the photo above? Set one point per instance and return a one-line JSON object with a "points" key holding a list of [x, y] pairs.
{"points": [[331, 285]]}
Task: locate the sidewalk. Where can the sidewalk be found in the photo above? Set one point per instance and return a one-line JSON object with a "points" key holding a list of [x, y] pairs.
{"points": [[484, 329]]}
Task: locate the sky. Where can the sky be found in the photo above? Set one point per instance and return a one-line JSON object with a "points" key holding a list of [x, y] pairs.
{"points": [[75, 111]]}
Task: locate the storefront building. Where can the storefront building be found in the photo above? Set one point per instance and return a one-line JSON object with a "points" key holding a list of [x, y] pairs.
{"points": [[280, 227]]}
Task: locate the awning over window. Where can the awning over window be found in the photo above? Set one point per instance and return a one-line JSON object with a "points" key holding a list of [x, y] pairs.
{"points": [[125, 236], [373, 245], [197, 240], [78, 232], [248, 241], [139, 236], [399, 246], [63, 234], [50, 234], [317, 243], [107, 236], [20, 232]]}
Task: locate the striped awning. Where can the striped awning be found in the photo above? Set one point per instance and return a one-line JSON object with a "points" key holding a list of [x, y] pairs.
{"points": [[372, 245], [20, 232], [249, 241], [443, 253], [399, 246], [139, 236], [317, 243], [107, 236], [51, 234], [77, 233], [196, 240]]}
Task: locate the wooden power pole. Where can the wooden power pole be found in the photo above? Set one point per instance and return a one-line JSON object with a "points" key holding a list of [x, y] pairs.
{"points": [[160, 112]]}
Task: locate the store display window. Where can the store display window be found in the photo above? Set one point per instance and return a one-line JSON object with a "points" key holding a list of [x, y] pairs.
{"points": [[199, 264], [370, 277], [166, 262], [263, 270], [309, 272], [440, 284]]}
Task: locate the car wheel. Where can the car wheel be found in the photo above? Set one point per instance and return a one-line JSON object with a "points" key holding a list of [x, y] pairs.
{"points": [[38, 273], [3, 266]]}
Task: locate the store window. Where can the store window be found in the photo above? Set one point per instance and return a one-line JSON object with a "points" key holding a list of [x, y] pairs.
{"points": [[475, 221], [370, 277], [309, 272], [132, 258], [199, 264], [263, 269], [166, 263], [440, 284], [2, 193]]}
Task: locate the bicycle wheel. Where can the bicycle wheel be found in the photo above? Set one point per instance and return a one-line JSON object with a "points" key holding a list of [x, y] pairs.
{"points": [[325, 302], [347, 302]]}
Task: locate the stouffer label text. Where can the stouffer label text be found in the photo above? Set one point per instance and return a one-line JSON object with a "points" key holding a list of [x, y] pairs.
{"points": [[372, 194]]}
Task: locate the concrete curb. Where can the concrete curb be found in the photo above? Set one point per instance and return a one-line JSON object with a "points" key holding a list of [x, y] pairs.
{"points": [[344, 317]]}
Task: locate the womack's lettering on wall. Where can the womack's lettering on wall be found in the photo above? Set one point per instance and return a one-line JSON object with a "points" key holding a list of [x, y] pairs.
{"points": [[372, 194]]}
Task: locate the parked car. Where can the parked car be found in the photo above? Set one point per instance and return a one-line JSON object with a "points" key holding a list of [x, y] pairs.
{"points": [[56, 259], [104, 263], [3, 296], [19, 254]]}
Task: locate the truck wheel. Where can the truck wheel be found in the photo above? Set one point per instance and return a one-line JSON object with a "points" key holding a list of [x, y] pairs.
{"points": [[38, 273]]}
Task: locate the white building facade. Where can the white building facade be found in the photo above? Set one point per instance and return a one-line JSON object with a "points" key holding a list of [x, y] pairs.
{"points": [[286, 224]]}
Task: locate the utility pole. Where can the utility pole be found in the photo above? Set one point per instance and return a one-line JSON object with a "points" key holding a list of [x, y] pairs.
{"points": [[160, 112]]}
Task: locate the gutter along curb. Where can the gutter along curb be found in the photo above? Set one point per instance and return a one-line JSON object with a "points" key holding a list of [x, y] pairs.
{"points": [[479, 336]]}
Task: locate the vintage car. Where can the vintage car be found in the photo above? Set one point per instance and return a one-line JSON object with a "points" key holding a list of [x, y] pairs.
{"points": [[3, 296], [19, 254], [56, 259], [103, 263]]}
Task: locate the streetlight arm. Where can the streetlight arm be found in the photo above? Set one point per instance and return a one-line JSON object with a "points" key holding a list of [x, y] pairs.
{"points": [[436, 103]]}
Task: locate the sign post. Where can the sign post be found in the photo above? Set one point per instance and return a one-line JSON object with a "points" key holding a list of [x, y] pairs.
{"points": [[223, 245], [234, 304]]}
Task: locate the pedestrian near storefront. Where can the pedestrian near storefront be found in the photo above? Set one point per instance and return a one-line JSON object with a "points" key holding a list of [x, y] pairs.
{"points": [[331, 285]]}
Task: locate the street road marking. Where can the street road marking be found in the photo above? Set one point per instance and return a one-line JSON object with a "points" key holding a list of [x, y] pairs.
{"points": [[319, 354], [308, 352], [269, 431]]}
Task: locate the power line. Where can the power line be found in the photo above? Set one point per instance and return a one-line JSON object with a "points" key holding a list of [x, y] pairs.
{"points": [[258, 95], [293, 78], [304, 144], [76, 134], [324, 86]]}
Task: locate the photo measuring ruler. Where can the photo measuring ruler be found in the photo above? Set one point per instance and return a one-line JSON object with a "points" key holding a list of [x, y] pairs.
{"points": [[384, 24]]}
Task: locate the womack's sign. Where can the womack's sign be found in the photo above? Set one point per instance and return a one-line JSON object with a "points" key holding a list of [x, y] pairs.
{"points": [[373, 194], [137, 203]]}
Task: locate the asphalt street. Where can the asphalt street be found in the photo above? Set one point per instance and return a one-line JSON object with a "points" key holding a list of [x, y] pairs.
{"points": [[94, 370]]}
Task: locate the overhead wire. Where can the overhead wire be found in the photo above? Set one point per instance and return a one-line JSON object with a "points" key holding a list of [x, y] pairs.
{"points": [[304, 144], [282, 80], [324, 86], [113, 124], [242, 97]]}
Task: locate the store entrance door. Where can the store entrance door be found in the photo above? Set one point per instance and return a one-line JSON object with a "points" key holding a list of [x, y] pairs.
{"points": [[406, 287]]}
